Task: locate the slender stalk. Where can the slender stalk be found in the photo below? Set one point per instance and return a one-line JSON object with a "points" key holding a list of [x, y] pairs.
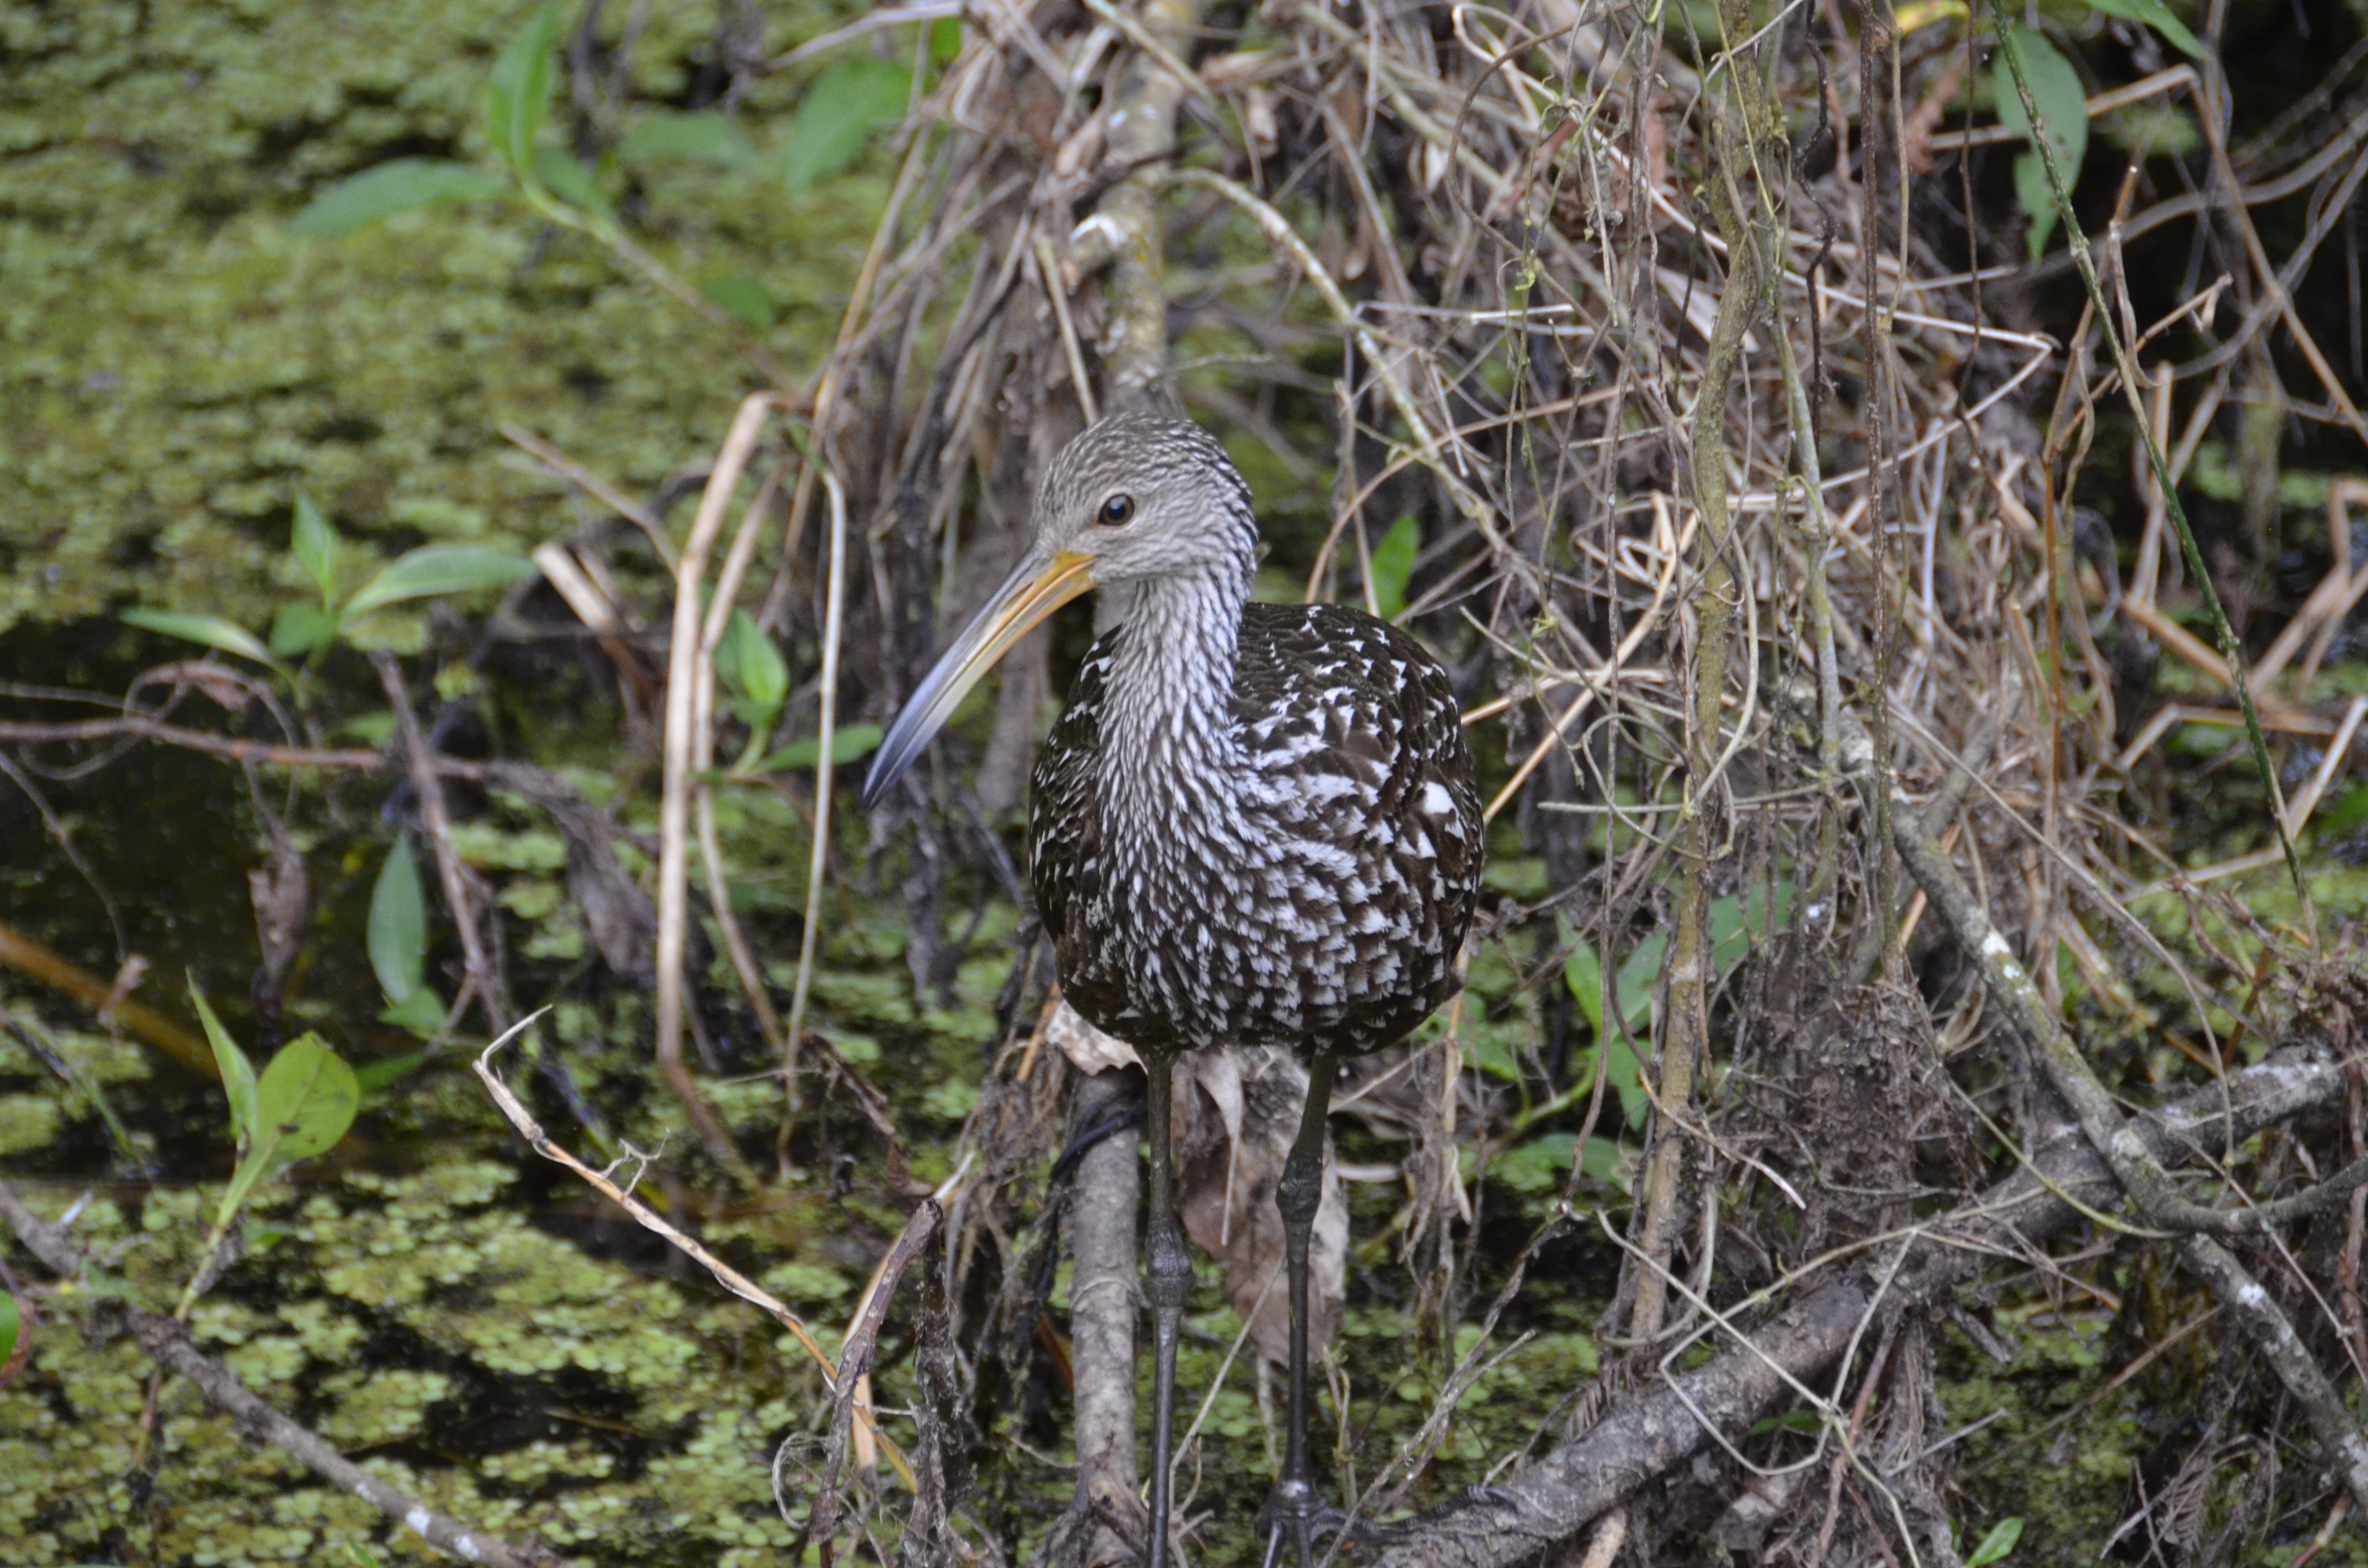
{"points": [[834, 623], [710, 852], [674, 807], [1686, 1021]]}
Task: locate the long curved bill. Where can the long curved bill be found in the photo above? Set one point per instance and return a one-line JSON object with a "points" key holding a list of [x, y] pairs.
{"points": [[1036, 588]]}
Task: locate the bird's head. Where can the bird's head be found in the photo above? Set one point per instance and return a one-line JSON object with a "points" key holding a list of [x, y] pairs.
{"points": [[1134, 500], [1139, 498]]}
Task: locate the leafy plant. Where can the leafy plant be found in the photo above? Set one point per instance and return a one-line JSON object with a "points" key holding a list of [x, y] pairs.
{"points": [[705, 137], [835, 120], [850, 743], [1543, 1164], [303, 629], [2062, 104], [2345, 814], [518, 98], [742, 297], [1736, 922], [212, 631], [1392, 561], [2157, 16], [838, 114], [12, 1326], [399, 185], [753, 667], [2061, 100], [397, 939], [300, 1105], [1801, 1421], [1996, 1544]]}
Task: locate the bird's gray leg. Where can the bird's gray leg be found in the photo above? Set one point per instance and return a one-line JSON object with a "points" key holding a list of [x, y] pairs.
{"points": [[1168, 1272], [1294, 1507]]}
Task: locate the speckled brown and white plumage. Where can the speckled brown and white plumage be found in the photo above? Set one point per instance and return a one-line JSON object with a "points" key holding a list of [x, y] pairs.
{"points": [[1253, 824]]}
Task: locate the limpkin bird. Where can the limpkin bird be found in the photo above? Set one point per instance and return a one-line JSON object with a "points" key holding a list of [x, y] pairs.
{"points": [[1254, 824]]}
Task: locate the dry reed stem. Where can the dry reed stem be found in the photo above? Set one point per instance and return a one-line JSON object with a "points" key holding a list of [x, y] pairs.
{"points": [[710, 851], [652, 526], [641, 1214], [818, 859], [684, 665]]}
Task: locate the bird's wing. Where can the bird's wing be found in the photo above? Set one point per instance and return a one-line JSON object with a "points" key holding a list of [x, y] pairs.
{"points": [[1356, 724]]}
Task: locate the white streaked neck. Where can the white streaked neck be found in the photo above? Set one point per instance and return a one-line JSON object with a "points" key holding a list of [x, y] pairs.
{"points": [[1166, 728]]}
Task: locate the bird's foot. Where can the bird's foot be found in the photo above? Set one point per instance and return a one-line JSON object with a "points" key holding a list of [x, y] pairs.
{"points": [[1296, 1512]]}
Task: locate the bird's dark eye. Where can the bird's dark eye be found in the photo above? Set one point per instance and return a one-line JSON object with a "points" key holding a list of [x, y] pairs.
{"points": [[1116, 510]]}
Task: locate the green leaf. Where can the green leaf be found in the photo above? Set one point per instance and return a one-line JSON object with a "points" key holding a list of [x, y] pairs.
{"points": [[847, 745], [1583, 972], [299, 629], [237, 1072], [399, 185], [2344, 815], [1543, 1164], [2037, 200], [397, 933], [838, 116], [520, 94], [11, 1325], [370, 729], [1485, 1051], [1393, 565], [556, 171], [749, 660], [2158, 130], [1537, 1166], [1790, 1421], [387, 1071], [305, 1100], [1628, 1082], [1637, 972], [1738, 924], [2063, 105], [1996, 1544], [211, 630], [1601, 1161], [422, 1013], [1627, 1078], [2155, 14], [740, 297], [706, 137], [441, 569], [315, 543]]}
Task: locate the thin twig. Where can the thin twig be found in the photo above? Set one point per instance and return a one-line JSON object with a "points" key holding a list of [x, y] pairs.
{"points": [[641, 1214], [437, 826]]}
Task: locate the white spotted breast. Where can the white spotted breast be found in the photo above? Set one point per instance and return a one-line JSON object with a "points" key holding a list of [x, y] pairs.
{"points": [[1309, 885]]}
